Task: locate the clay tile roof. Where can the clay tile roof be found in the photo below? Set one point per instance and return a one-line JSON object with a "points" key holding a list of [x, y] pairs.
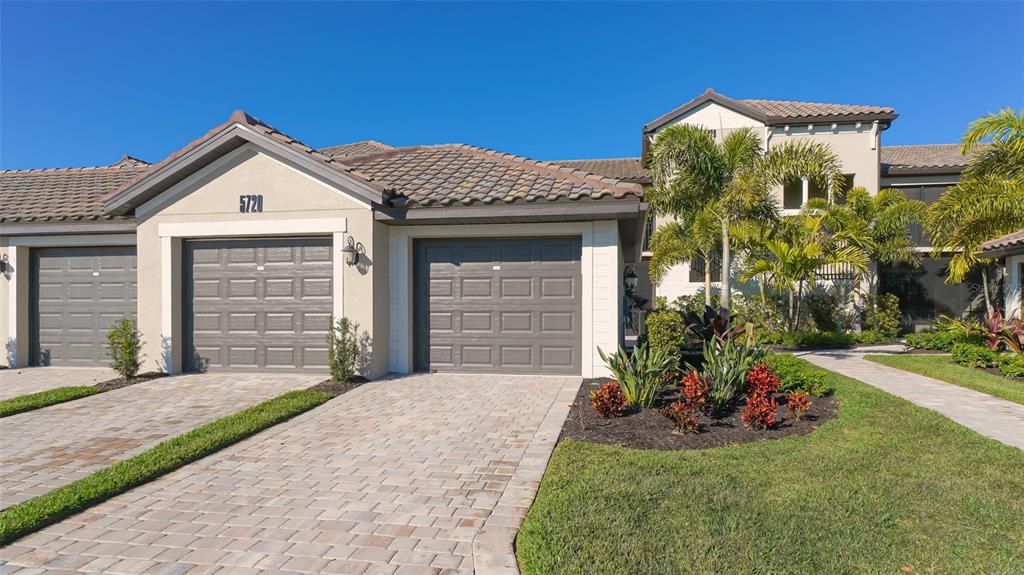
{"points": [[626, 169], [457, 174], [355, 149], [897, 159], [1011, 240], [63, 194], [807, 110]]}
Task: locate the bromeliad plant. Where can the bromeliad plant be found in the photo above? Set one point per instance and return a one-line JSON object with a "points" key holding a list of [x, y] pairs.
{"points": [[995, 331], [642, 375]]}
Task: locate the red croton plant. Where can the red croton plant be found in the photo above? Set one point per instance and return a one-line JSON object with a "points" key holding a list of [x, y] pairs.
{"points": [[762, 383]]}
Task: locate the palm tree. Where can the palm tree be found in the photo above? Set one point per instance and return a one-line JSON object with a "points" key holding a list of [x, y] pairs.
{"points": [[678, 241], [729, 182], [989, 200], [795, 253], [878, 226]]}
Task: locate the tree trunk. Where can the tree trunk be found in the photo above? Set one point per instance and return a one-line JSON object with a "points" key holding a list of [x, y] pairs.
{"points": [[799, 296], [792, 297], [724, 297], [707, 280], [984, 288]]}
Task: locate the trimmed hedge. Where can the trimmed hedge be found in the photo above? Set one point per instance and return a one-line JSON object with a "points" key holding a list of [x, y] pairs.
{"points": [[941, 340], [796, 374], [1011, 364], [973, 355], [24, 403], [169, 455]]}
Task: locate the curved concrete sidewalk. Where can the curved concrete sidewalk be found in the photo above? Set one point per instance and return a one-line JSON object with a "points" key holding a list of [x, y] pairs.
{"points": [[990, 416]]}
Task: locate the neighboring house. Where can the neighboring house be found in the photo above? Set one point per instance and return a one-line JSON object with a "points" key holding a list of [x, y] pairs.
{"points": [[1009, 250], [853, 132], [234, 252]]}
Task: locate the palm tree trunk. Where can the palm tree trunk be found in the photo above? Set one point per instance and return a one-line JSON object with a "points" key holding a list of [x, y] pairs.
{"points": [[799, 296], [726, 264], [707, 280], [792, 297], [984, 288]]}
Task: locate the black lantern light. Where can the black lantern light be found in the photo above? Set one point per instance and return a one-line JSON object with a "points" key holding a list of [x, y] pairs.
{"points": [[3, 264], [351, 253], [629, 279]]}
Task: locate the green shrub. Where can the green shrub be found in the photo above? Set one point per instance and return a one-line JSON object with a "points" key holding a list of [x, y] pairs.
{"points": [[726, 363], [941, 340], [883, 314], [347, 350], [973, 355], [870, 336], [642, 375], [826, 310], [796, 374], [124, 346], [812, 339], [1011, 364], [666, 332]]}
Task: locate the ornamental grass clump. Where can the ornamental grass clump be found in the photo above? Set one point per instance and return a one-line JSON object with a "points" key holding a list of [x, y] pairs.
{"points": [[642, 375], [726, 363]]}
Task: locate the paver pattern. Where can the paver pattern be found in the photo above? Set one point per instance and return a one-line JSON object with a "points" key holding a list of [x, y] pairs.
{"points": [[990, 416], [420, 474], [22, 381], [46, 448]]}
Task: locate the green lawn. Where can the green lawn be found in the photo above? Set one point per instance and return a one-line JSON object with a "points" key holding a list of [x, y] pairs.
{"points": [[942, 367], [883, 486], [47, 509], [24, 403]]}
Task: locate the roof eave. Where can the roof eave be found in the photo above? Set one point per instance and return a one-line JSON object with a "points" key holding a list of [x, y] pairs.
{"points": [[566, 211], [62, 227], [922, 171], [834, 119]]}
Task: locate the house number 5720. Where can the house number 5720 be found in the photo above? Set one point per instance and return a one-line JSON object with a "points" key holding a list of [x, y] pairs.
{"points": [[250, 203]]}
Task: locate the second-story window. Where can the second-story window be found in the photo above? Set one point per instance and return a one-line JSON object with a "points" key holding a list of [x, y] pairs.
{"points": [[793, 195]]}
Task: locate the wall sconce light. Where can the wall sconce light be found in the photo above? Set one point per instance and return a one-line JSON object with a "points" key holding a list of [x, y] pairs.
{"points": [[629, 279], [3, 264], [351, 252]]}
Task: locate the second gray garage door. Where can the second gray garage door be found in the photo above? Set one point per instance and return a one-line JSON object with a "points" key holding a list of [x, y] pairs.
{"points": [[257, 304], [77, 294], [498, 305]]}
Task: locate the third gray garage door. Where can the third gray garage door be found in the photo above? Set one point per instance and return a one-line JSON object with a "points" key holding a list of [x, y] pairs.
{"points": [[498, 305], [259, 303]]}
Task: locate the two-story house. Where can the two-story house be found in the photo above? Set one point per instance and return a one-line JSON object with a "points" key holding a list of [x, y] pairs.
{"points": [[854, 133]]}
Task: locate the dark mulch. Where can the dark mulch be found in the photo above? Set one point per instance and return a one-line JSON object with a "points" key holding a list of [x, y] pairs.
{"points": [[995, 371], [337, 388], [119, 382], [649, 429]]}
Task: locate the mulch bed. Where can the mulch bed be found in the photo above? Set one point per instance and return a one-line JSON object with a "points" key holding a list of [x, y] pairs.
{"points": [[649, 429], [336, 388], [995, 371], [119, 382]]}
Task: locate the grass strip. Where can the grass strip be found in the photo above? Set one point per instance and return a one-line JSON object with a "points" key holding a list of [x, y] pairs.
{"points": [[884, 487], [941, 367], [24, 403], [161, 459]]}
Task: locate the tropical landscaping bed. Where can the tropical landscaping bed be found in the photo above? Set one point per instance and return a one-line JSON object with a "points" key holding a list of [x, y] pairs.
{"points": [[884, 487], [650, 429]]}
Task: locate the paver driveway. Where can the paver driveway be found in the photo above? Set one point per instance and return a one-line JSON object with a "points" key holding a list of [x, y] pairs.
{"points": [[420, 474], [46, 448], [22, 381]]}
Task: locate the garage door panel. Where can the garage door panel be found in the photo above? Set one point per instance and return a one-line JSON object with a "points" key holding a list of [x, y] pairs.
{"points": [[258, 303], [498, 305], [77, 295]]}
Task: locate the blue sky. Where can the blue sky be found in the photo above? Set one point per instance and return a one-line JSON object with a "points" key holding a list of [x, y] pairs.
{"points": [[83, 83]]}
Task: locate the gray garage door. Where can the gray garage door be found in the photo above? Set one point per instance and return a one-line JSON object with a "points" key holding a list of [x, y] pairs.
{"points": [[257, 304], [76, 294], [498, 305]]}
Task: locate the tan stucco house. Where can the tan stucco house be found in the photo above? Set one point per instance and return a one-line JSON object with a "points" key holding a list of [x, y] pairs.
{"points": [[234, 252]]}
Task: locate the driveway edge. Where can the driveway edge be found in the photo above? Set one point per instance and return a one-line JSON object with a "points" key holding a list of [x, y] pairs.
{"points": [[494, 546]]}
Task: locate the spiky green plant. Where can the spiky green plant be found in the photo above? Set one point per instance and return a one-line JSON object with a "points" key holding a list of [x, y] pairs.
{"points": [[642, 375]]}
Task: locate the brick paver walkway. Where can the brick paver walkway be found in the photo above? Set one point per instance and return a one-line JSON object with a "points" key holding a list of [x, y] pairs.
{"points": [[990, 416], [22, 381], [421, 474], [46, 448]]}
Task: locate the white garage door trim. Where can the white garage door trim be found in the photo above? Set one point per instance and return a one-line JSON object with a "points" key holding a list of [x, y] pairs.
{"points": [[18, 286], [172, 234], [600, 265]]}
